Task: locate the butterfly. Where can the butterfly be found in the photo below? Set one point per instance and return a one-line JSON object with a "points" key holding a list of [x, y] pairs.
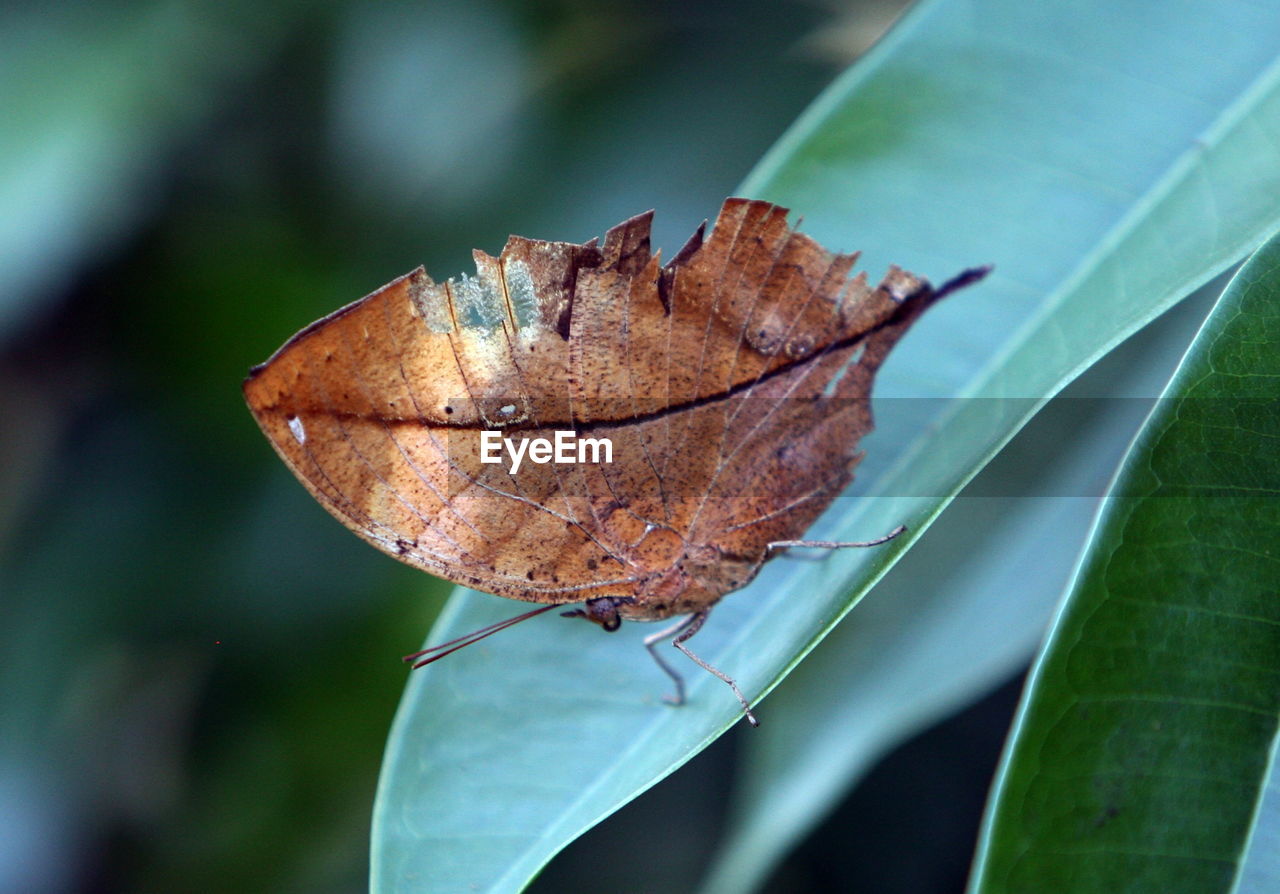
{"points": [[461, 427]]}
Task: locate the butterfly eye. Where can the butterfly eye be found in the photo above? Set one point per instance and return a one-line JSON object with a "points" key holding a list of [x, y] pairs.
{"points": [[602, 611]]}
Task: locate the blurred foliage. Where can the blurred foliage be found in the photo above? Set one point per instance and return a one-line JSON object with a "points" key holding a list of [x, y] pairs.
{"points": [[200, 665]]}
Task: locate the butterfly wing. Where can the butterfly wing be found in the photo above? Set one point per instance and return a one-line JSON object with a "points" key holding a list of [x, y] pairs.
{"points": [[731, 385]]}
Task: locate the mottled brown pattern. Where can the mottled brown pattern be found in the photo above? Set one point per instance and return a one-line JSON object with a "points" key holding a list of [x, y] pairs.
{"points": [[734, 384]]}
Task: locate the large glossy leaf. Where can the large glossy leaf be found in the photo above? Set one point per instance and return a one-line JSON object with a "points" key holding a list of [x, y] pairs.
{"points": [[1146, 736], [1071, 146], [948, 620]]}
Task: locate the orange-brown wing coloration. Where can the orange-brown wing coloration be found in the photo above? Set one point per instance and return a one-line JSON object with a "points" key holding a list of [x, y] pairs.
{"points": [[733, 385]]}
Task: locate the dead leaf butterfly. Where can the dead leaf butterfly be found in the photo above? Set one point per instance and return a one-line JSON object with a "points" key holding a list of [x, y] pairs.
{"points": [[583, 424]]}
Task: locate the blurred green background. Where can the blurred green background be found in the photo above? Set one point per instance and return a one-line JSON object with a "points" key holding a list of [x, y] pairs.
{"points": [[200, 665]]}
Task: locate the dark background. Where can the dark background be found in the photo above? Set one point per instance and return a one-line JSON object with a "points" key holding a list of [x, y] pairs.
{"points": [[200, 665]]}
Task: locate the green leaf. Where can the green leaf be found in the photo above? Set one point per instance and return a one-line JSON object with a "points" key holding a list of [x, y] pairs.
{"points": [[1077, 149], [1145, 739]]}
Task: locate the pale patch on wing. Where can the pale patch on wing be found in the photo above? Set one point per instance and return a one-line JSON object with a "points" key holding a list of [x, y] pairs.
{"points": [[477, 301], [426, 302], [521, 292]]}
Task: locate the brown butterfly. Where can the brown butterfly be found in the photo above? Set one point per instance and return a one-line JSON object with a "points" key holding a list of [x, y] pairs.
{"points": [[461, 427]]}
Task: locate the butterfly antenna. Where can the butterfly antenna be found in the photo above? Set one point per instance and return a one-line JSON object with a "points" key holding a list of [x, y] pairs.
{"points": [[435, 653]]}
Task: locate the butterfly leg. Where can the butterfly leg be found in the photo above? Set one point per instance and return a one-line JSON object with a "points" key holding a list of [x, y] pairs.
{"points": [[695, 623], [652, 640], [835, 544]]}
